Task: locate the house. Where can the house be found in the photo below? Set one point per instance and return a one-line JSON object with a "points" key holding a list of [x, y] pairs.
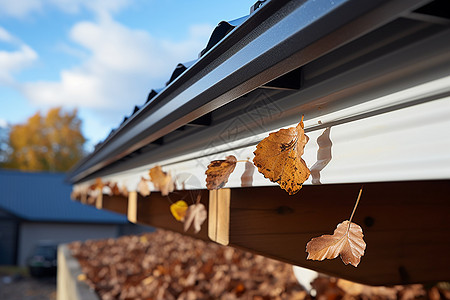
{"points": [[372, 77], [36, 206]]}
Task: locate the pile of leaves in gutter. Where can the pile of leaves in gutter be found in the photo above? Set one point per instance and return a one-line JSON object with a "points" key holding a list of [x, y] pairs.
{"points": [[167, 265]]}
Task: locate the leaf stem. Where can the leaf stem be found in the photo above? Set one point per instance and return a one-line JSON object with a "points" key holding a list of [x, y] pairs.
{"points": [[356, 205], [170, 200]]}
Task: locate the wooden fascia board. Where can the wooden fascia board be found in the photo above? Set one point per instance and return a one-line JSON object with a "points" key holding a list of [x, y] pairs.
{"points": [[405, 225]]}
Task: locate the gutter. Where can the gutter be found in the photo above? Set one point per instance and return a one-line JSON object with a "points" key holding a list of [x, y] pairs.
{"points": [[278, 38]]}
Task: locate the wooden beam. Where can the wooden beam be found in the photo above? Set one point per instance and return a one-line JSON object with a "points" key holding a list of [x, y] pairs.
{"points": [[83, 198], [118, 204], [154, 210], [406, 227], [219, 216], [132, 207], [99, 201]]}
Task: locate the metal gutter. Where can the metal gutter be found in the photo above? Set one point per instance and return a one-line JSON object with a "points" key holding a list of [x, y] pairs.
{"points": [[278, 38]]}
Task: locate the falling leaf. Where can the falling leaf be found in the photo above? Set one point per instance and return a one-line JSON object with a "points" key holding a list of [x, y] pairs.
{"points": [[178, 210], [106, 190], [247, 176], [94, 190], [97, 185], [76, 193], [323, 155], [114, 189], [124, 191], [278, 158], [143, 188], [196, 214], [161, 180], [218, 172], [347, 241]]}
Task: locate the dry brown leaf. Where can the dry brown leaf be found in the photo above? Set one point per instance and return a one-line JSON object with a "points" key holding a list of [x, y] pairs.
{"points": [[323, 155], [76, 193], [97, 185], [356, 289], [143, 188], [347, 241], [278, 158], [218, 172], [94, 190], [196, 214], [124, 191], [161, 180], [114, 189]]}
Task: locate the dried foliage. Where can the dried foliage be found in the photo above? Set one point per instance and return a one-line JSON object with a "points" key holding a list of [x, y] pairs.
{"points": [[161, 180], [347, 241], [115, 191], [124, 191], [218, 172], [196, 214], [97, 185], [334, 288], [143, 188], [166, 265], [94, 190], [178, 210], [278, 158]]}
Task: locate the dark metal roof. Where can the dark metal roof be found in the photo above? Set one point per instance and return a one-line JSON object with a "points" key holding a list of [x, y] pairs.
{"points": [[45, 197], [280, 49]]}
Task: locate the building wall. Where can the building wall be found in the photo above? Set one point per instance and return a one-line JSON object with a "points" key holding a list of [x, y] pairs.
{"points": [[8, 236], [31, 233]]}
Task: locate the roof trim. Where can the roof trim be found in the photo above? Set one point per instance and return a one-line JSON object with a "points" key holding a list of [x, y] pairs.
{"points": [[278, 38]]}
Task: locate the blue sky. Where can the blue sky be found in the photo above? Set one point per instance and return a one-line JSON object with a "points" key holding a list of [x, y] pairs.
{"points": [[99, 56]]}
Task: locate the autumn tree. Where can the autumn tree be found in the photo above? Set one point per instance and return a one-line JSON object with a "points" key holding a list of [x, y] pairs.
{"points": [[46, 143], [4, 137]]}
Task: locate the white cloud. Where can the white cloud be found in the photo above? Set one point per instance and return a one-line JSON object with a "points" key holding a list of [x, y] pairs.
{"points": [[5, 36], [19, 9], [122, 66], [16, 60], [3, 123], [23, 8], [118, 65]]}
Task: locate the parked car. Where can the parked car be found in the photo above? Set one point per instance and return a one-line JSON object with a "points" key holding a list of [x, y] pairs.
{"points": [[43, 261]]}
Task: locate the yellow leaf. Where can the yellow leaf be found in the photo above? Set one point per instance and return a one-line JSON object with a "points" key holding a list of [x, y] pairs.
{"points": [[143, 239], [161, 180], [278, 158], [81, 277], [347, 241], [178, 210], [218, 172]]}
